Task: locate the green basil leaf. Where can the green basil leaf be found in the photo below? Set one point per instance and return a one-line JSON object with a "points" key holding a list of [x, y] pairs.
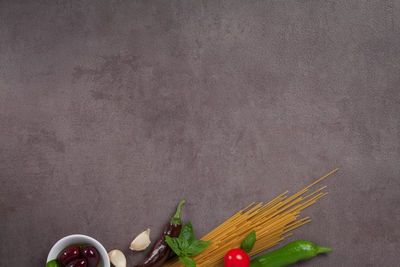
{"points": [[183, 244], [248, 243], [174, 244], [187, 232], [196, 247], [188, 261]]}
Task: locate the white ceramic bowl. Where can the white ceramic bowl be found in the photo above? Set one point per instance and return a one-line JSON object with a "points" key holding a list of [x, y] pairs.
{"points": [[79, 239]]}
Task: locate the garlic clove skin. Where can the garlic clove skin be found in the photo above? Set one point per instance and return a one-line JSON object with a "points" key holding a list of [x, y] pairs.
{"points": [[117, 258], [141, 242]]}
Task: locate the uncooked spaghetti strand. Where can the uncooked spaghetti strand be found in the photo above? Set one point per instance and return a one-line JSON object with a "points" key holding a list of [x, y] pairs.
{"points": [[322, 178]]}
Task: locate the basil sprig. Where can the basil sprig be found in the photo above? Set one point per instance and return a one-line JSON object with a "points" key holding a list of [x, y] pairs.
{"points": [[248, 243], [186, 245]]}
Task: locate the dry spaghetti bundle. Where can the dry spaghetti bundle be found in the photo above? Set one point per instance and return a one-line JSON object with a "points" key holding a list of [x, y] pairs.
{"points": [[271, 221]]}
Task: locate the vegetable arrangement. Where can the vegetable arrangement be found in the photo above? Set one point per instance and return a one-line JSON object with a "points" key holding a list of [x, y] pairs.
{"points": [[182, 241], [272, 221]]}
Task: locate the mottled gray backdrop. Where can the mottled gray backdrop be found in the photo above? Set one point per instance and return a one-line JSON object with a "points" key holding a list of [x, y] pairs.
{"points": [[111, 112]]}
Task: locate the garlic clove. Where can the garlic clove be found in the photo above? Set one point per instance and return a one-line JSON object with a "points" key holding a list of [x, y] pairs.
{"points": [[141, 242], [117, 258]]}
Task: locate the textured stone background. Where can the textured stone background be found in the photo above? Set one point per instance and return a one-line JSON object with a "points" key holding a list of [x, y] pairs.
{"points": [[113, 111]]}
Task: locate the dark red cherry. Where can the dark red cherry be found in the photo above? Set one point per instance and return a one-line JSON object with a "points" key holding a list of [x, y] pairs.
{"points": [[91, 255], [69, 254], [77, 263]]}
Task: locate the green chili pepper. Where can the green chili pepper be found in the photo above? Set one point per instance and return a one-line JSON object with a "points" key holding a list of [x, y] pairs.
{"points": [[289, 254]]}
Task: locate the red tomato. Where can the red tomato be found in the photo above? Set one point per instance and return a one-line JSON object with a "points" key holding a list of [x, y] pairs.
{"points": [[236, 258]]}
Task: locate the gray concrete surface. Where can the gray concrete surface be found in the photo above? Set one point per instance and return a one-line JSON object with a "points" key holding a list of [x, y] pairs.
{"points": [[113, 111]]}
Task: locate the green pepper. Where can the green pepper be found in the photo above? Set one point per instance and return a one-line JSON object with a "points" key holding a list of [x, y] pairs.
{"points": [[289, 254], [53, 263]]}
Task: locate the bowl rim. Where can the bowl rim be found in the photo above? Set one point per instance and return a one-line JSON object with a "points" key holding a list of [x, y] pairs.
{"points": [[103, 252]]}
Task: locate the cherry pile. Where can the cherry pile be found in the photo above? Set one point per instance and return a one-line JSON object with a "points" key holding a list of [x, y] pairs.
{"points": [[74, 256]]}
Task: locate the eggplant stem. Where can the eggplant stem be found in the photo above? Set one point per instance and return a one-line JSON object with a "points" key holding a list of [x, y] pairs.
{"points": [[176, 219]]}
